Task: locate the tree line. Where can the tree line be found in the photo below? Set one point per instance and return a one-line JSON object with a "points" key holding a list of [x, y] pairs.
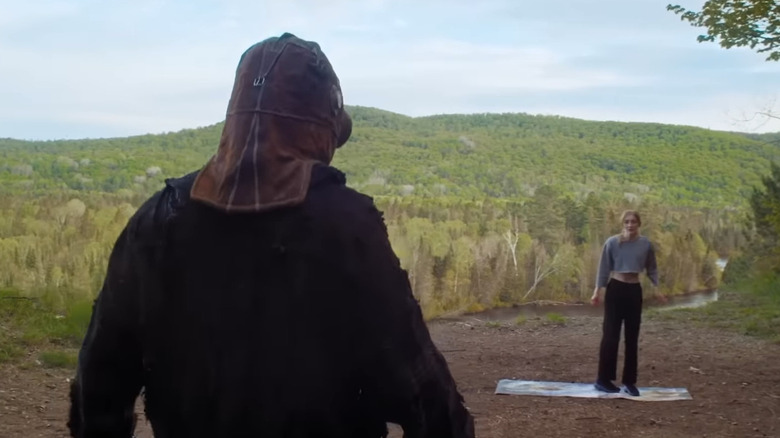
{"points": [[483, 210], [460, 254]]}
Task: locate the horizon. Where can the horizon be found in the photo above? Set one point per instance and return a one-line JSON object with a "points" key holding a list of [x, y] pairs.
{"points": [[83, 69], [213, 124]]}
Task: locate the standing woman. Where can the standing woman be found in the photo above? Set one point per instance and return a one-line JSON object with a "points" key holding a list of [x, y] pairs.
{"points": [[624, 256]]}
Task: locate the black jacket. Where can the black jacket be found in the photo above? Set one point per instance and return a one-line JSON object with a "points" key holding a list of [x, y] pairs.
{"points": [[297, 322]]}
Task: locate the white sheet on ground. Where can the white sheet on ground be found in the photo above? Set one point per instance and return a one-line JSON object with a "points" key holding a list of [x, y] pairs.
{"points": [[586, 390]]}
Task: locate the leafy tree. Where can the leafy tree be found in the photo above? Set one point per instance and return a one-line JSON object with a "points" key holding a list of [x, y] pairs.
{"points": [[762, 254], [765, 206], [738, 23]]}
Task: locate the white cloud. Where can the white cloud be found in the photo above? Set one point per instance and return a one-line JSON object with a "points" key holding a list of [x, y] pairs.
{"points": [[440, 75], [154, 65]]}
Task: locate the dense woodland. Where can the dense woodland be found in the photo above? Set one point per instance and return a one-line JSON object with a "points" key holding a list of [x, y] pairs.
{"points": [[483, 210]]}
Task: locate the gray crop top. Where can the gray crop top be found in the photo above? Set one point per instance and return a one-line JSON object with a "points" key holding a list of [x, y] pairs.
{"points": [[631, 256]]}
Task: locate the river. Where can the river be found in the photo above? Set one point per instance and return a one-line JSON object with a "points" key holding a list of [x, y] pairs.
{"points": [[509, 314]]}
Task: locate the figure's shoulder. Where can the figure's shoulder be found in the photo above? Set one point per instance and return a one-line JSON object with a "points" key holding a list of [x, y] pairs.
{"points": [[181, 186], [611, 241], [329, 185], [159, 208], [331, 199]]}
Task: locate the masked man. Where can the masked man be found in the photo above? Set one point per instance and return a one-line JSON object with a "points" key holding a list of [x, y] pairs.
{"points": [[260, 296]]}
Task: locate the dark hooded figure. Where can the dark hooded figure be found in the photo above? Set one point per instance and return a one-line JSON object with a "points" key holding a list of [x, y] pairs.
{"points": [[260, 296]]}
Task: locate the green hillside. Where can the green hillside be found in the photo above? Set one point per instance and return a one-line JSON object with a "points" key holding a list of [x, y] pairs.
{"points": [[482, 210], [464, 156]]}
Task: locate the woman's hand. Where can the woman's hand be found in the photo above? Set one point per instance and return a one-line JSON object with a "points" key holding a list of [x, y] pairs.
{"points": [[596, 298]]}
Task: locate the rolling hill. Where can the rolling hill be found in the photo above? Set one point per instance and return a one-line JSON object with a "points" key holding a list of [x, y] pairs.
{"points": [[463, 156]]}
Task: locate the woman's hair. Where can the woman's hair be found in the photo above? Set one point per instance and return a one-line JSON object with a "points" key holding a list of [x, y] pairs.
{"points": [[623, 217]]}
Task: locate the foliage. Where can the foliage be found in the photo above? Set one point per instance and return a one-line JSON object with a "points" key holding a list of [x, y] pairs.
{"points": [[765, 207], [752, 302], [456, 251], [59, 359], [555, 318], [460, 156], [738, 23], [482, 210], [761, 254], [750, 306], [30, 322]]}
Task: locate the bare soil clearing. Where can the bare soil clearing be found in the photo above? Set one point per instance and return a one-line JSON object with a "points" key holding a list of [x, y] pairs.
{"points": [[734, 381]]}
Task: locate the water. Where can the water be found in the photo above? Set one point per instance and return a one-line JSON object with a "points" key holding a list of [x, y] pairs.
{"points": [[508, 314], [693, 300]]}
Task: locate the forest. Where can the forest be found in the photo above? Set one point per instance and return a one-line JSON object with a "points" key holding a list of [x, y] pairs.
{"points": [[483, 210]]}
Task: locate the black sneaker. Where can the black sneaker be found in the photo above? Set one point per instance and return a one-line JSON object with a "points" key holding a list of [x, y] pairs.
{"points": [[631, 389], [606, 386]]}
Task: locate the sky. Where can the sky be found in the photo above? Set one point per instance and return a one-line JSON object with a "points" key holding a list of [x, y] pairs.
{"points": [[96, 68]]}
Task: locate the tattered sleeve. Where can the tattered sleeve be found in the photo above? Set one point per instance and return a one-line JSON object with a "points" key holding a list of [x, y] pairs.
{"points": [[403, 369], [109, 376]]}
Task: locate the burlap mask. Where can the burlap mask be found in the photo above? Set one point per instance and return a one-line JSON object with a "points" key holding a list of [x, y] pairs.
{"points": [[286, 113]]}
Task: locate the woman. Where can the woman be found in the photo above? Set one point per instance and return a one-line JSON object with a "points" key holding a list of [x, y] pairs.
{"points": [[624, 256]]}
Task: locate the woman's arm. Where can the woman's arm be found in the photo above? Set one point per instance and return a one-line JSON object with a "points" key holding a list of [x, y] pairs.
{"points": [[602, 277], [651, 266]]}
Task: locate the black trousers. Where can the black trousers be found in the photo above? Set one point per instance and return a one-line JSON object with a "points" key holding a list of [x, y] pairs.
{"points": [[622, 304]]}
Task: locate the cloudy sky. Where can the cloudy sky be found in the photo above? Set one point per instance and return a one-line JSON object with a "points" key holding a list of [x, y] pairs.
{"points": [[97, 68]]}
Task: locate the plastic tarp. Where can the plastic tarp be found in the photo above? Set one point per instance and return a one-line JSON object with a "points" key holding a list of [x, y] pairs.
{"points": [[586, 390]]}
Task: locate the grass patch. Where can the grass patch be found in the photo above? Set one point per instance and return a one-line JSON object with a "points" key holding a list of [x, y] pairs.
{"points": [[493, 324], [555, 318], [521, 320], [8, 350], [475, 308], [34, 322], [751, 307], [59, 359]]}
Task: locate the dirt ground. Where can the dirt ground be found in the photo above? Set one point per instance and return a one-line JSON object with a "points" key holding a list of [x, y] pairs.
{"points": [[734, 381]]}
